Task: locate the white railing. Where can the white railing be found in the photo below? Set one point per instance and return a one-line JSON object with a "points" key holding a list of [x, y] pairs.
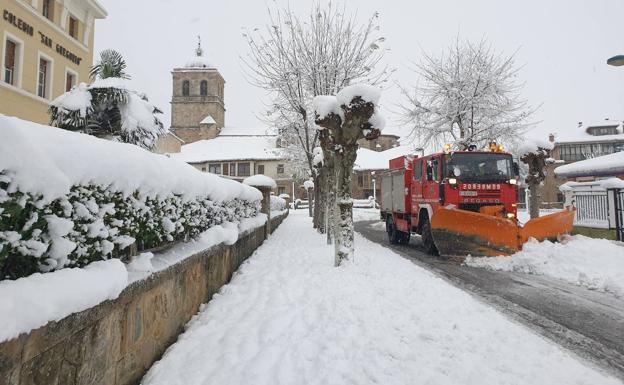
{"points": [[593, 206]]}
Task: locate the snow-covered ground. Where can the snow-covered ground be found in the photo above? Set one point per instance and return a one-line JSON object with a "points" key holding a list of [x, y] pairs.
{"points": [[594, 263], [290, 317]]}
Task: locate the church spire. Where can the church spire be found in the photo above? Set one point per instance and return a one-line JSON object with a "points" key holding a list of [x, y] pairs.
{"points": [[199, 51]]}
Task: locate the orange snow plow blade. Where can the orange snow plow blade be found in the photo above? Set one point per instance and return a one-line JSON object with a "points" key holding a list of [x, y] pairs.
{"points": [[548, 227], [461, 233]]}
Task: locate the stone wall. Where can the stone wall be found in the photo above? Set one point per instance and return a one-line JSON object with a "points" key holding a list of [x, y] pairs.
{"points": [[116, 342]]}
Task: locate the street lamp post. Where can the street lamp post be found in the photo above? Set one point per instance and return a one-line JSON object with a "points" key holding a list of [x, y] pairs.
{"points": [[374, 187]]}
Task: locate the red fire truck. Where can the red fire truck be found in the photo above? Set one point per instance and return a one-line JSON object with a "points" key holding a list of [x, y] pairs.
{"points": [[460, 202]]}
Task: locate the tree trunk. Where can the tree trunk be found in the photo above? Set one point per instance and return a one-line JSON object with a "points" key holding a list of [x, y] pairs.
{"points": [[320, 201], [534, 200], [343, 221]]}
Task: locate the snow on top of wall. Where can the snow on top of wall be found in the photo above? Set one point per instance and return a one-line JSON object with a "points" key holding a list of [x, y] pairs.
{"points": [[367, 92], [607, 165], [580, 133], [260, 180], [31, 302], [48, 161], [78, 99], [230, 148], [533, 145], [378, 160]]}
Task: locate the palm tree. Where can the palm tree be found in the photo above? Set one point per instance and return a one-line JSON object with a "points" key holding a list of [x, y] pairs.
{"points": [[110, 65]]}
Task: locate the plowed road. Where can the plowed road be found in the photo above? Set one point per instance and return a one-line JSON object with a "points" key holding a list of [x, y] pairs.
{"points": [[589, 323]]}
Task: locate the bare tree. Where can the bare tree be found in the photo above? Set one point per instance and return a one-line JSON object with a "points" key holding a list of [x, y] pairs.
{"points": [[296, 59], [469, 95], [349, 116]]}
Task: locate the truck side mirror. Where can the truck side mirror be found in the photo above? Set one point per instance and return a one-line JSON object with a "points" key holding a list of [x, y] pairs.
{"points": [[516, 169]]}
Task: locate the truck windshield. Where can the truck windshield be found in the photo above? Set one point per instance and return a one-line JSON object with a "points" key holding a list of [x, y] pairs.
{"points": [[479, 167]]}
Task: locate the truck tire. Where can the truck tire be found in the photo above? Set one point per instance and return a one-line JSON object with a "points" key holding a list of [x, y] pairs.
{"points": [[393, 234], [427, 238], [404, 238]]}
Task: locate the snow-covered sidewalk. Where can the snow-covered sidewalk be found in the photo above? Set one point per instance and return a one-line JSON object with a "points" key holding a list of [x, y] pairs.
{"points": [[289, 317]]}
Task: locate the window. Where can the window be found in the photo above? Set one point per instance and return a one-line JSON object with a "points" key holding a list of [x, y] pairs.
{"points": [[432, 169], [417, 170], [360, 179], [260, 169], [70, 81], [232, 169], [44, 78], [281, 190], [185, 88], [203, 88], [48, 9], [280, 168], [214, 168], [243, 169], [10, 61], [225, 169], [204, 169], [73, 27]]}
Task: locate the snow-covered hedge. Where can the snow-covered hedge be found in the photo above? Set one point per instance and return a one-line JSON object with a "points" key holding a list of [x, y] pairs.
{"points": [[277, 203], [67, 199]]}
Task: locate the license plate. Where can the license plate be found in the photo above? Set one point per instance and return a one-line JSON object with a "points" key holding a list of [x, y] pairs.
{"points": [[468, 193]]}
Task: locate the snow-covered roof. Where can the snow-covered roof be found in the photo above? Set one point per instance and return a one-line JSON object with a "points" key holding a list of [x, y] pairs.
{"points": [[581, 133], [245, 131], [607, 165], [225, 148], [378, 160], [208, 120]]}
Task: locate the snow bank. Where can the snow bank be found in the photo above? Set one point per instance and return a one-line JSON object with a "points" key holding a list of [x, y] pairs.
{"points": [[277, 203], [612, 183], [49, 161], [29, 303], [260, 180], [288, 316], [597, 264]]}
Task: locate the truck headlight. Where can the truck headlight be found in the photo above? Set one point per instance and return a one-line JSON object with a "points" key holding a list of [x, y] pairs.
{"points": [[452, 181], [510, 215], [512, 181]]}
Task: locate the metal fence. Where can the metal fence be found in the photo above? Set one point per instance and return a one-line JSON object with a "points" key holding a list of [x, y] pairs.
{"points": [[592, 209]]}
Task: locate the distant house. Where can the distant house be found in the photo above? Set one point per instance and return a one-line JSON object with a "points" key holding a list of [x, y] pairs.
{"points": [[586, 141], [239, 153]]}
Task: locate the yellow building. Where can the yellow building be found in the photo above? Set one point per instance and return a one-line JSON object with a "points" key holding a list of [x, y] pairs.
{"points": [[46, 49]]}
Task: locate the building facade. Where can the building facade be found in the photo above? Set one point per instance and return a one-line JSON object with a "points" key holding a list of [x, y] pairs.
{"points": [[586, 141], [382, 143], [46, 49]]}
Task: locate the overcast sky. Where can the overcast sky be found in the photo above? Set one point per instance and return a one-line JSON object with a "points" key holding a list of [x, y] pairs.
{"points": [[563, 46]]}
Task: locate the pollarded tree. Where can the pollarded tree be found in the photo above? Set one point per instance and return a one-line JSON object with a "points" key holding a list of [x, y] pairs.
{"points": [[297, 58], [107, 108], [351, 115], [469, 95], [536, 155]]}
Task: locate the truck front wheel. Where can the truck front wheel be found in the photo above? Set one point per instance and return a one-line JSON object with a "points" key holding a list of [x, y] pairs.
{"points": [[427, 238]]}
